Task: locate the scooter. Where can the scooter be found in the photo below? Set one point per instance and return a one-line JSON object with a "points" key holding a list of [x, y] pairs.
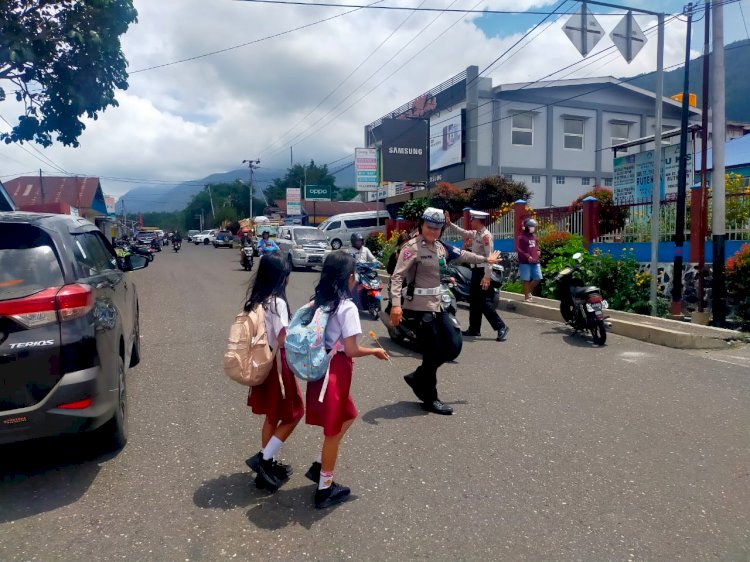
{"points": [[176, 245], [368, 289], [408, 329], [582, 307], [460, 280], [156, 244], [246, 257]]}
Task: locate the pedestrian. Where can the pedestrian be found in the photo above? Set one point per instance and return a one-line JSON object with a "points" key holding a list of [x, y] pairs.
{"points": [[336, 412], [282, 408], [419, 269], [529, 267], [483, 298]]}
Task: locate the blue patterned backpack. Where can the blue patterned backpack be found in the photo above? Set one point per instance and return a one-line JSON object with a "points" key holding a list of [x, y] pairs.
{"points": [[305, 346]]}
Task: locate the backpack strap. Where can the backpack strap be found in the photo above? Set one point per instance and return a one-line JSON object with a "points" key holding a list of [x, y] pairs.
{"points": [[324, 387]]}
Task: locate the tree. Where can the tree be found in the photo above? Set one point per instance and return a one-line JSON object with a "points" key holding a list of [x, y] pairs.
{"points": [[413, 209], [231, 201], [492, 192], [611, 216], [344, 193], [299, 176], [449, 197], [62, 59]]}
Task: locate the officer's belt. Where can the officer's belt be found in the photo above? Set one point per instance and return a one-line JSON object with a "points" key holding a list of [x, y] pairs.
{"points": [[427, 292], [476, 265]]}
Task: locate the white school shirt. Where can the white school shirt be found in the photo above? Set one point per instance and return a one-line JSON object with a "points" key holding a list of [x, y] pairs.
{"points": [[344, 324], [277, 319]]}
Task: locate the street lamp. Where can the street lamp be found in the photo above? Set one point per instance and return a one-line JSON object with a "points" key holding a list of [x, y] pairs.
{"points": [[253, 165]]}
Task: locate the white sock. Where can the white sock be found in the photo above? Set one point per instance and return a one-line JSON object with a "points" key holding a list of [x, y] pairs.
{"points": [[326, 479], [319, 458], [273, 446]]}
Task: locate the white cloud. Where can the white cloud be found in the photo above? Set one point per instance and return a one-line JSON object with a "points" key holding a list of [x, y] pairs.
{"points": [[192, 119]]}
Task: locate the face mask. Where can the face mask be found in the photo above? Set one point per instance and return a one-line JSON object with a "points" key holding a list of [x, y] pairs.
{"points": [[532, 229]]}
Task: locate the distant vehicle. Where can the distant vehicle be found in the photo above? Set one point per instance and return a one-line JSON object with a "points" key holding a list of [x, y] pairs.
{"points": [[302, 246], [224, 240], [162, 236], [206, 237], [339, 228], [192, 233], [69, 329]]}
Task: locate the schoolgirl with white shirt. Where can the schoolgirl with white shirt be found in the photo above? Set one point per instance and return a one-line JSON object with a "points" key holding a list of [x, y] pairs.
{"points": [[336, 413], [281, 405]]}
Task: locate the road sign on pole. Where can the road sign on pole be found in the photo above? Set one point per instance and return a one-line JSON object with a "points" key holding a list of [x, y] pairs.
{"points": [[628, 37], [583, 30]]}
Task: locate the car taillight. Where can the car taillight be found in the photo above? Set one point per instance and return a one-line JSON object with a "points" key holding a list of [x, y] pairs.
{"points": [[46, 307], [79, 405]]}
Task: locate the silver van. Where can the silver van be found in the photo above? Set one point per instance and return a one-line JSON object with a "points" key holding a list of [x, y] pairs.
{"points": [[339, 228]]}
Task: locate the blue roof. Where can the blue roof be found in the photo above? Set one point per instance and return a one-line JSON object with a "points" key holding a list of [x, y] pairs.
{"points": [[736, 153]]}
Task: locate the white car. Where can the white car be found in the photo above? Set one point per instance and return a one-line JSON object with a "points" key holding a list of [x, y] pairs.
{"points": [[206, 237], [302, 246]]}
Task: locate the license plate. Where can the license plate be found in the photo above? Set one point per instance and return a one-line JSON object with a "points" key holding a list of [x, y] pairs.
{"points": [[315, 258], [594, 307]]}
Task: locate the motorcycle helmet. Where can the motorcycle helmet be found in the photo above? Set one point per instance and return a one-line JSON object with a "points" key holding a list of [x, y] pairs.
{"points": [[357, 237], [529, 223]]}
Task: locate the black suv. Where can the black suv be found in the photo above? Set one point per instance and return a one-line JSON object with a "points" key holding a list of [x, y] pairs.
{"points": [[68, 329]]}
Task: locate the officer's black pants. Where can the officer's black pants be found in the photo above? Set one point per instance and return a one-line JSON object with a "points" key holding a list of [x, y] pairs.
{"points": [[482, 302], [440, 343]]}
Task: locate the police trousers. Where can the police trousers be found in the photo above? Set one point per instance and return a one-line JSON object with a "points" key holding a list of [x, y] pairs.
{"points": [[440, 342], [482, 302]]}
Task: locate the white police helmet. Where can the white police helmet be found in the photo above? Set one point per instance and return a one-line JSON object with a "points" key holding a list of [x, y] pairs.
{"points": [[434, 217]]}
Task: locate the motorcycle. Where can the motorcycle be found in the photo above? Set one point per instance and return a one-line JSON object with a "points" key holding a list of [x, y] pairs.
{"points": [[176, 245], [460, 280], [156, 244], [582, 307], [408, 329], [368, 289], [246, 257]]}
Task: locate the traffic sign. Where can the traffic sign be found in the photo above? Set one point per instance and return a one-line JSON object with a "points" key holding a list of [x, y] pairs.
{"points": [[583, 30], [628, 37], [317, 193]]}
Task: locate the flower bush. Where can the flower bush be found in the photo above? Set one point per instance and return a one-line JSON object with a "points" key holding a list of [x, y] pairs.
{"points": [[375, 241], [738, 284], [390, 246], [412, 210]]}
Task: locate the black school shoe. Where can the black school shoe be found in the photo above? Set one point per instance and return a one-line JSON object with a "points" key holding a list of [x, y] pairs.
{"points": [[313, 473], [278, 470], [471, 333], [331, 496]]}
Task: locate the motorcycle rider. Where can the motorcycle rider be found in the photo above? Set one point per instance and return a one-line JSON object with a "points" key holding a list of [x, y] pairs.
{"points": [[359, 251], [482, 297], [419, 266], [266, 245]]}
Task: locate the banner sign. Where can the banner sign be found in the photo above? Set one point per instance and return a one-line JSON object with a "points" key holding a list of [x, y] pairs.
{"points": [[366, 169], [634, 174], [293, 202], [405, 150], [445, 139], [317, 193]]}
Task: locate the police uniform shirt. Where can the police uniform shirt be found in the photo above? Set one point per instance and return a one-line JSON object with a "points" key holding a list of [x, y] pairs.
{"points": [[481, 243], [420, 262]]}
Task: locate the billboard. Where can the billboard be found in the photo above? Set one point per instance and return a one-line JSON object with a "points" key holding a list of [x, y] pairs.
{"points": [[445, 139], [405, 150], [317, 193], [634, 174], [366, 169], [293, 202]]}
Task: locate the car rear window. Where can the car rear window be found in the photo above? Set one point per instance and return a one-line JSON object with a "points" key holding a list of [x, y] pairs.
{"points": [[28, 263]]}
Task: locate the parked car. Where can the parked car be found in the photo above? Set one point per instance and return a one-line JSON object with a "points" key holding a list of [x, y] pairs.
{"points": [[339, 228], [206, 237], [192, 233], [302, 246], [69, 329], [162, 236], [224, 240]]}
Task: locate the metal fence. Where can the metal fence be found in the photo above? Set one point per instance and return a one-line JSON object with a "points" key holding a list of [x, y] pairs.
{"points": [[562, 219]]}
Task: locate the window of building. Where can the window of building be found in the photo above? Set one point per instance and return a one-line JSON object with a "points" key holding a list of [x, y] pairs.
{"points": [[522, 129], [620, 134], [608, 182], [536, 179], [560, 180], [509, 177], [573, 132], [585, 181]]}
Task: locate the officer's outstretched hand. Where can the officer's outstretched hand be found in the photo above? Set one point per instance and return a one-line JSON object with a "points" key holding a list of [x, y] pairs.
{"points": [[447, 217], [396, 315], [493, 258]]}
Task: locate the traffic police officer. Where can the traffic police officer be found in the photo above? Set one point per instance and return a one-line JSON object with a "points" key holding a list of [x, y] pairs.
{"points": [[419, 266], [483, 299]]}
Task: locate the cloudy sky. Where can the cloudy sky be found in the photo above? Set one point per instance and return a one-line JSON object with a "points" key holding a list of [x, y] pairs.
{"points": [[187, 120]]}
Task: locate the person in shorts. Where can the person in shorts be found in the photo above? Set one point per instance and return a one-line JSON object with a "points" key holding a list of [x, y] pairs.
{"points": [[529, 266]]}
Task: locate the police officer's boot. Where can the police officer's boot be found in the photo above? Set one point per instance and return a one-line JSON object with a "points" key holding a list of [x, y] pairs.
{"points": [[438, 407]]}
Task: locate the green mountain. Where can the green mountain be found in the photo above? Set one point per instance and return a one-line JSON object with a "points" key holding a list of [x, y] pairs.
{"points": [[737, 63]]}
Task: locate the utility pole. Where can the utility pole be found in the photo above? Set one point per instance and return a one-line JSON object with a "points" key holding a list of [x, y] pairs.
{"points": [[717, 176], [211, 198], [704, 157], [679, 240], [41, 185], [253, 165], [656, 190]]}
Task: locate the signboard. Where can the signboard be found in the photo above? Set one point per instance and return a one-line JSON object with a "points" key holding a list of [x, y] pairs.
{"points": [[405, 150], [317, 193], [381, 193], [583, 30], [366, 169], [293, 202], [451, 174], [628, 37], [74, 212], [634, 174], [445, 139]]}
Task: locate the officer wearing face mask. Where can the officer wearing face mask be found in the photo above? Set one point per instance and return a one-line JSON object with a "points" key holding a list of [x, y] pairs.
{"points": [[419, 264]]}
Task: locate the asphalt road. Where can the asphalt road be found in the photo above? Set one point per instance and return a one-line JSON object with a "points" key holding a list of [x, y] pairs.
{"points": [[557, 451]]}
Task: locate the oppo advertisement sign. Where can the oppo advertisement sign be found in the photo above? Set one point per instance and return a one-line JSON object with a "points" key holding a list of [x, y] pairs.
{"points": [[405, 150], [445, 139]]}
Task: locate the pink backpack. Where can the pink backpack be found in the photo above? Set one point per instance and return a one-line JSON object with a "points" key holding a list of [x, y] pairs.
{"points": [[249, 358]]}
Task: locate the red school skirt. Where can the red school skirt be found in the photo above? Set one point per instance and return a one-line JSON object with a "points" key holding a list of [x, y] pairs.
{"points": [[337, 406], [265, 399]]}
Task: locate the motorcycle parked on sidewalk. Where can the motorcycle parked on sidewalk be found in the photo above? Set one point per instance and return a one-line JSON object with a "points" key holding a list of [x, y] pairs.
{"points": [[581, 306], [246, 257], [368, 289], [460, 280]]}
